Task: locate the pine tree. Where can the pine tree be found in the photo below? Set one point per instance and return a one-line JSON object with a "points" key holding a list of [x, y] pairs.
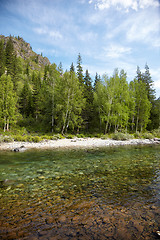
{"points": [[97, 79], [10, 57], [88, 96], [2, 58], [142, 106], [26, 100], [72, 68], [60, 68], [37, 96], [27, 70], [80, 70], [12, 63], [139, 74], [146, 78]]}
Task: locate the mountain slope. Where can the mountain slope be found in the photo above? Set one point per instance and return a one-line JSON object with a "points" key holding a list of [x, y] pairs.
{"points": [[24, 51]]}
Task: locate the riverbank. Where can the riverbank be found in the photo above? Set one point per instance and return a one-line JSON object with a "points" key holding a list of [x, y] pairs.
{"points": [[74, 143]]}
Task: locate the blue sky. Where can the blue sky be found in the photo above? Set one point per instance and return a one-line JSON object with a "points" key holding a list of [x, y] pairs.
{"points": [[108, 34]]}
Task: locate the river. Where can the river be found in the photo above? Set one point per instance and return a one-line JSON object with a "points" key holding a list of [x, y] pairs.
{"points": [[104, 193]]}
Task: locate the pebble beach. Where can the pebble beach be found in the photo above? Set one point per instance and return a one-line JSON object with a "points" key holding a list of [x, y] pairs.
{"points": [[74, 143]]}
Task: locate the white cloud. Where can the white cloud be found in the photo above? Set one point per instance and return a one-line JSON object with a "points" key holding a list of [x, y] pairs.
{"points": [[54, 34], [148, 3], [116, 51], [125, 4], [145, 28], [141, 27], [155, 74]]}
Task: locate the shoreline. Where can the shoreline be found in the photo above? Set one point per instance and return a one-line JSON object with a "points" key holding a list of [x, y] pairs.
{"points": [[74, 143]]}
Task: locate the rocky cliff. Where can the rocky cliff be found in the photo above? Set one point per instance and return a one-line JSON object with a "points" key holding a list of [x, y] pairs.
{"points": [[24, 50]]}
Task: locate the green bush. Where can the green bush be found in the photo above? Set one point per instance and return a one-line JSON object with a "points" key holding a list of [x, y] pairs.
{"points": [[147, 135], [121, 136], [156, 132], [69, 136], [36, 139], [106, 136], [47, 137], [98, 135], [81, 135], [58, 136], [6, 139], [20, 138], [137, 135]]}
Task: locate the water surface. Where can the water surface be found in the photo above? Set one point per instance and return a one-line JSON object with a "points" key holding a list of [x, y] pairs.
{"points": [[106, 193]]}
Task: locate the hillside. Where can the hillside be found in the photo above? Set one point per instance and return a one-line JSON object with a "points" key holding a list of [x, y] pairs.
{"points": [[24, 50]]}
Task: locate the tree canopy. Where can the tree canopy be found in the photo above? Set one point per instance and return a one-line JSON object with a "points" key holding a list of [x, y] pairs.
{"points": [[48, 99]]}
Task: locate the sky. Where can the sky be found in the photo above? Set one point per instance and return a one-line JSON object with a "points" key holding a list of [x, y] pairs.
{"points": [[108, 34]]}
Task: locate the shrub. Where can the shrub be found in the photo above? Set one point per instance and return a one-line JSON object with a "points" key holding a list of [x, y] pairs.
{"points": [[121, 136], [80, 135], [36, 139], [57, 136], [46, 137], [156, 132], [69, 136], [19, 138], [106, 136], [98, 135], [147, 135], [6, 139], [137, 135]]}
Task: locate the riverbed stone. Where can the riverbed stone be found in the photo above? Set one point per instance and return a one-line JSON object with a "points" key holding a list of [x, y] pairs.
{"points": [[50, 220], [62, 218], [41, 177]]}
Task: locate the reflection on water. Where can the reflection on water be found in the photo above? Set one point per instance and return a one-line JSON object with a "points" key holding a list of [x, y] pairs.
{"points": [[109, 193]]}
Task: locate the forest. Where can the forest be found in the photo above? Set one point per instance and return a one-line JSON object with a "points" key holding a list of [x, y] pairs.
{"points": [[46, 99]]}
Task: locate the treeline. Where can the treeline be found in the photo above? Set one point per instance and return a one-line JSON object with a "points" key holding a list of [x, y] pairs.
{"points": [[51, 100]]}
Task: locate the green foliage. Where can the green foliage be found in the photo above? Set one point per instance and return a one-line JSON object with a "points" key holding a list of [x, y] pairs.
{"points": [[156, 132], [147, 135], [8, 100], [58, 136], [80, 70], [122, 136], [80, 135], [69, 136], [43, 98], [137, 134], [6, 138], [2, 58]]}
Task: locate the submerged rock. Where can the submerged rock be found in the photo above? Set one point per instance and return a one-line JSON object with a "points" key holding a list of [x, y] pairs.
{"points": [[19, 149]]}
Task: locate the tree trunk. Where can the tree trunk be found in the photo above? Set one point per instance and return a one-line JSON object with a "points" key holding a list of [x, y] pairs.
{"points": [[137, 120], [4, 124], [132, 123], [7, 125], [52, 122], [66, 116], [52, 106], [107, 123]]}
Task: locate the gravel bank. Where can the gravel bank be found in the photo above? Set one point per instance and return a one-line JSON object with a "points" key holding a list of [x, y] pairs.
{"points": [[74, 143]]}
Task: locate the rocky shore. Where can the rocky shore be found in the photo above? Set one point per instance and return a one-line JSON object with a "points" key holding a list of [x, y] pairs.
{"points": [[74, 143]]}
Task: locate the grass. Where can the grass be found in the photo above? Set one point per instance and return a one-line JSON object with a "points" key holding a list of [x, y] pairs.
{"points": [[24, 136]]}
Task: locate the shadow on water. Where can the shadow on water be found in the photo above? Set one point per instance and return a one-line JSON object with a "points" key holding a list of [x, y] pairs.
{"points": [[107, 193]]}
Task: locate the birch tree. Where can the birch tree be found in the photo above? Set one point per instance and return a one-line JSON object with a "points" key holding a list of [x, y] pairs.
{"points": [[69, 102], [8, 102]]}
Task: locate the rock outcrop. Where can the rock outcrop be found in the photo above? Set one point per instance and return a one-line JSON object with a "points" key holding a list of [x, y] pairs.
{"points": [[24, 50]]}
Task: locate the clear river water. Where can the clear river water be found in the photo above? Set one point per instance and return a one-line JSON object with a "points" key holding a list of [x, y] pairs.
{"points": [[105, 193]]}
